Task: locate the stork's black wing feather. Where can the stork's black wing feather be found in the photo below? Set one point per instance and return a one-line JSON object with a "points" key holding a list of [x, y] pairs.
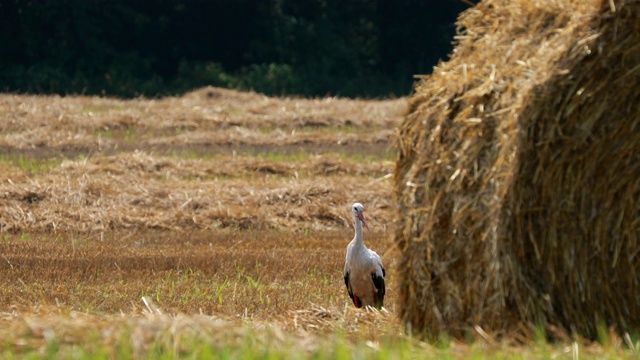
{"points": [[378, 281], [346, 283], [356, 301]]}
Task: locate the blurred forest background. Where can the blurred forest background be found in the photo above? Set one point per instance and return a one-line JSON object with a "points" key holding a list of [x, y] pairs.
{"points": [[365, 48]]}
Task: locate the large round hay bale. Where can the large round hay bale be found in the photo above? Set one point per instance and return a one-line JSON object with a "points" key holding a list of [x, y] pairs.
{"points": [[518, 176]]}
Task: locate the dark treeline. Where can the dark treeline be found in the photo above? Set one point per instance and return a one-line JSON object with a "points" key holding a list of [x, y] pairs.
{"points": [[365, 48]]}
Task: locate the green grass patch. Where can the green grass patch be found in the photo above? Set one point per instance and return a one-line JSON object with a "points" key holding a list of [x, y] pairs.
{"points": [[343, 129], [190, 154], [31, 165], [283, 156], [385, 155], [162, 337]]}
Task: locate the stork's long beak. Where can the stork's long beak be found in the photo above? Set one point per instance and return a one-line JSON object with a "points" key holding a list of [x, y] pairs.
{"points": [[361, 218]]}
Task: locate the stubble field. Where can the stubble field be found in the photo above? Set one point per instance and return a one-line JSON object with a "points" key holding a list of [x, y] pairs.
{"points": [[209, 225]]}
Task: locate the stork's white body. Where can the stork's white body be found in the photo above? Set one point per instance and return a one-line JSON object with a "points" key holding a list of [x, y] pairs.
{"points": [[363, 270]]}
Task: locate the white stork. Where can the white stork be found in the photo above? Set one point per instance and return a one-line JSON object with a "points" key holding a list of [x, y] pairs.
{"points": [[363, 270]]}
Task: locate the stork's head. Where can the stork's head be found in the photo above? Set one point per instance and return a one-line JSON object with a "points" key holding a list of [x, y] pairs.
{"points": [[358, 213]]}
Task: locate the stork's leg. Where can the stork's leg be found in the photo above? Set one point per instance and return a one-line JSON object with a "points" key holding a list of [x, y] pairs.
{"points": [[356, 301]]}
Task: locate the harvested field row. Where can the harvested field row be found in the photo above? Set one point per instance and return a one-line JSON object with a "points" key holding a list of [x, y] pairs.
{"points": [[257, 273], [210, 140], [211, 159], [191, 166], [207, 117], [135, 190]]}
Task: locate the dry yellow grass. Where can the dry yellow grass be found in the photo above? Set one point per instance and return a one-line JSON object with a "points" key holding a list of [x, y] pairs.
{"points": [[256, 274], [211, 118], [228, 212], [220, 207], [212, 159], [141, 190]]}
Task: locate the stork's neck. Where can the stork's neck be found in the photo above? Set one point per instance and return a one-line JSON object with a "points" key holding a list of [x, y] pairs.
{"points": [[359, 238]]}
